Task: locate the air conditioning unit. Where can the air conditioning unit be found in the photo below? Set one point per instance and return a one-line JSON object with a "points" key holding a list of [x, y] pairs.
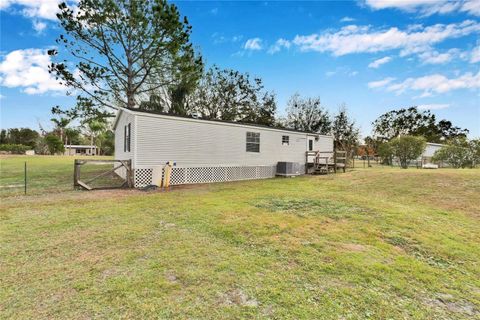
{"points": [[288, 169]]}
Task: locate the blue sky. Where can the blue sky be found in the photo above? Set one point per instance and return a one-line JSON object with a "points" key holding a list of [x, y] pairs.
{"points": [[372, 55]]}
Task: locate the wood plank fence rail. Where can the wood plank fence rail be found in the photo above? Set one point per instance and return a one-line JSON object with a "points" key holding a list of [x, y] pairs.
{"points": [[116, 165]]}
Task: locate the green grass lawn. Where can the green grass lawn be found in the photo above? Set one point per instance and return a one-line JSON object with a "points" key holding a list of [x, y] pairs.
{"points": [[377, 243], [45, 174]]}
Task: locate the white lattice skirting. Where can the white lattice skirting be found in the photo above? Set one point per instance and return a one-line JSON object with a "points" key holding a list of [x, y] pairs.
{"points": [[188, 175]]}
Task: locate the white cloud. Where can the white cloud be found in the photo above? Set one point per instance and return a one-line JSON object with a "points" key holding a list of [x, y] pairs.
{"points": [[347, 19], [39, 26], [380, 83], [471, 6], [45, 9], [427, 7], [253, 44], [434, 106], [475, 55], [436, 84], [377, 63], [219, 38], [28, 69], [360, 39], [435, 57], [279, 44], [341, 71]]}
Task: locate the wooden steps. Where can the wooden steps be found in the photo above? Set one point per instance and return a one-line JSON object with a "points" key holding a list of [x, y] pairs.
{"points": [[328, 162]]}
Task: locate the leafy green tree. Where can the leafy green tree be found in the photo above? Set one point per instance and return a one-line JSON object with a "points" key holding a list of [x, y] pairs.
{"points": [[3, 136], [94, 129], [187, 77], [121, 52], [460, 153], [24, 136], [385, 151], [372, 144], [106, 142], [54, 144], [407, 148], [307, 114], [14, 148], [72, 136], [234, 96], [61, 124], [474, 146], [411, 121], [266, 113], [345, 131]]}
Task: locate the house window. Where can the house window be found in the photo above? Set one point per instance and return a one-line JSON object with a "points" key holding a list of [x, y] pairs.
{"points": [[310, 145], [285, 140], [253, 142], [126, 138]]}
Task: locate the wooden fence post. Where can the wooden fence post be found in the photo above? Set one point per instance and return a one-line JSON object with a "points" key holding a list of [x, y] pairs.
{"points": [[76, 173], [25, 169], [129, 174]]}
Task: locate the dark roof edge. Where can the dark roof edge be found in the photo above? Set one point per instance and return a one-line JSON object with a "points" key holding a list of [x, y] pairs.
{"points": [[222, 121]]}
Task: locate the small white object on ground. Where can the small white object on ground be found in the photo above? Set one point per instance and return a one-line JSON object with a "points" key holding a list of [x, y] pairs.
{"points": [[430, 166]]}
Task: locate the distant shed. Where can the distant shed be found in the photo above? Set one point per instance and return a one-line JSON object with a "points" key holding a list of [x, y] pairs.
{"points": [[430, 150], [80, 150]]}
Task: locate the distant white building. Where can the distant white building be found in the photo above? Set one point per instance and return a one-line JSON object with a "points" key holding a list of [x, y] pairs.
{"points": [[80, 150], [426, 157], [430, 150], [207, 150]]}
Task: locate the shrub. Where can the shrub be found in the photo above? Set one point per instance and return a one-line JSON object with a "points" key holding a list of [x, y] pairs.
{"points": [[407, 148], [54, 144], [385, 151], [15, 148], [460, 153]]}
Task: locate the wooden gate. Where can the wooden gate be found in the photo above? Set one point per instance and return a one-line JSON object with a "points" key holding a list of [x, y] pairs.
{"points": [[121, 171]]}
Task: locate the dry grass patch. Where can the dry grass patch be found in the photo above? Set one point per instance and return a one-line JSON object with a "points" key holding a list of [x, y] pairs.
{"points": [[369, 244]]}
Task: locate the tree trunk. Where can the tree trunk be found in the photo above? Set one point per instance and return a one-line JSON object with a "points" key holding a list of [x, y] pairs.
{"points": [[91, 144]]}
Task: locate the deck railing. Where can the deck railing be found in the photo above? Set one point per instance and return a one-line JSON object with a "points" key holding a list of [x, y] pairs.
{"points": [[327, 159]]}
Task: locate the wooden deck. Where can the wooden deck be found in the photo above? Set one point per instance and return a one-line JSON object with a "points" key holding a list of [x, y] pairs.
{"points": [[325, 162]]}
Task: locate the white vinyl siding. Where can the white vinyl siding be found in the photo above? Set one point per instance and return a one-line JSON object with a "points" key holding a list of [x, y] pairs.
{"points": [[430, 149], [190, 142], [324, 144], [120, 135], [156, 139]]}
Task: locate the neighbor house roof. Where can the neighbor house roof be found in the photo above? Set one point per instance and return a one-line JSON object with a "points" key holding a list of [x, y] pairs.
{"points": [[163, 114]]}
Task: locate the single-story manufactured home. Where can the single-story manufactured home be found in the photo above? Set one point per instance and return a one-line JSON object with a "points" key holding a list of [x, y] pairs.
{"points": [[207, 150], [80, 150]]}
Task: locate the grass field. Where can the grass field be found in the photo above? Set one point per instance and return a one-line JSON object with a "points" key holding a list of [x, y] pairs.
{"points": [[377, 243], [45, 174]]}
